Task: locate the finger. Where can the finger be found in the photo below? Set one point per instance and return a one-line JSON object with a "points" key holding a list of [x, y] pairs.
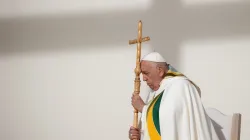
{"points": [[134, 132], [135, 137], [134, 128]]}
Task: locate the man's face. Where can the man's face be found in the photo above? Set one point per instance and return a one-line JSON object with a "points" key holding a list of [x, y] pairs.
{"points": [[151, 74]]}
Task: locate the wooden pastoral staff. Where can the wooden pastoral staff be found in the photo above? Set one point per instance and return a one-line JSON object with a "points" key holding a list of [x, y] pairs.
{"points": [[137, 81]]}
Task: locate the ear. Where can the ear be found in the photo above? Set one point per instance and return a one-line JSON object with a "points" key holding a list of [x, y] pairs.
{"points": [[161, 71]]}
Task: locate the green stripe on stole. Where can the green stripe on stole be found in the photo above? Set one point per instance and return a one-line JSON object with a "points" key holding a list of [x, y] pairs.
{"points": [[153, 120]]}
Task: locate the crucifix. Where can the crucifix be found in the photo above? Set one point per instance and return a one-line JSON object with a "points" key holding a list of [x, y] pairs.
{"points": [[137, 81]]}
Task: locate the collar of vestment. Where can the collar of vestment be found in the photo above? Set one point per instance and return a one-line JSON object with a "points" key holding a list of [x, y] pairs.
{"points": [[172, 72], [164, 83], [170, 75]]}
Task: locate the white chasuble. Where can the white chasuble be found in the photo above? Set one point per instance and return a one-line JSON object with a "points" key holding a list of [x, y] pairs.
{"points": [[175, 112]]}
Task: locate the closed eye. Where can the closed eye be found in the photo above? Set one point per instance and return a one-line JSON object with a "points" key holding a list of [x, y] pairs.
{"points": [[146, 73]]}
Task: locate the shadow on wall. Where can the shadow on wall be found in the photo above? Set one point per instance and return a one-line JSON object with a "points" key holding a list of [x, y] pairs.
{"points": [[168, 23]]}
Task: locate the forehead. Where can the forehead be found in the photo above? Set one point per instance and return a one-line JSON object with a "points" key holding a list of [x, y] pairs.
{"points": [[146, 65]]}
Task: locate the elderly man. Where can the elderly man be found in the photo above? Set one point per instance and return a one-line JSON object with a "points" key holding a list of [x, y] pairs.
{"points": [[174, 110]]}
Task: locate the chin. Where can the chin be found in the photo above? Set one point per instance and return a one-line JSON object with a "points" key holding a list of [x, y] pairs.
{"points": [[151, 87]]}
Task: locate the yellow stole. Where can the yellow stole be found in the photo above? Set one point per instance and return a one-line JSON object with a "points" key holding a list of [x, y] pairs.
{"points": [[153, 123]]}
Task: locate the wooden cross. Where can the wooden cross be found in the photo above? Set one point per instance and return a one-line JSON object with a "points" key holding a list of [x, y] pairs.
{"points": [[139, 38], [137, 81]]}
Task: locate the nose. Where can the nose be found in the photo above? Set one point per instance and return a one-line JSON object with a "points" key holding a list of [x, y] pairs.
{"points": [[144, 77]]}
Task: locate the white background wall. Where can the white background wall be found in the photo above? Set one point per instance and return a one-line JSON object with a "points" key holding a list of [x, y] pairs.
{"points": [[67, 70]]}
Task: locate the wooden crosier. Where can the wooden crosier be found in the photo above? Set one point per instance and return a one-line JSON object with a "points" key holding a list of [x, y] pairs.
{"points": [[137, 70]]}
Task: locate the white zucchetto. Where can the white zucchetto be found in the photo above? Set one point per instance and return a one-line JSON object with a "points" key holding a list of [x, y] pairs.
{"points": [[153, 57]]}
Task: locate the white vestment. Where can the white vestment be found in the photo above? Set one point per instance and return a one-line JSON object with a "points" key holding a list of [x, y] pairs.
{"points": [[181, 113]]}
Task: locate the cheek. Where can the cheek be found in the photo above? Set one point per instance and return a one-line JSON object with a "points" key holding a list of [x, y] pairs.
{"points": [[153, 78], [150, 78]]}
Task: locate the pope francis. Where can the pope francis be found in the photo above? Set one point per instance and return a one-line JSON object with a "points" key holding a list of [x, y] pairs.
{"points": [[173, 110]]}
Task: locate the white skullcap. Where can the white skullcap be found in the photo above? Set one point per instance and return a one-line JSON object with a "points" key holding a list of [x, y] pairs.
{"points": [[154, 57]]}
